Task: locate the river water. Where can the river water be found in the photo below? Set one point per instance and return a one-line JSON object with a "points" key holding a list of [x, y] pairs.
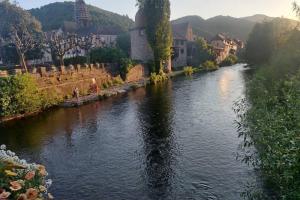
{"points": [[173, 141]]}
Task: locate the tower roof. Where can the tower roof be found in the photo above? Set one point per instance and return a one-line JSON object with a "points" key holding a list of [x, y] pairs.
{"points": [[140, 19]]}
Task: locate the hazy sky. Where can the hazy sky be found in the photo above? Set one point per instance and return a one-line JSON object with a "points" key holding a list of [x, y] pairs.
{"points": [[203, 8]]}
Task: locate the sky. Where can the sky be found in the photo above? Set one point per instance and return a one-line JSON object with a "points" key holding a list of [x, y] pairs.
{"points": [[203, 8]]}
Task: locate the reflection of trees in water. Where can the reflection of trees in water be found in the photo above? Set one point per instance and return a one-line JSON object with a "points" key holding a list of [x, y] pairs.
{"points": [[156, 118]]}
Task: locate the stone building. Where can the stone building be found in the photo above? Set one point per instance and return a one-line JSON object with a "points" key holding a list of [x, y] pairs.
{"points": [[183, 38], [223, 46], [140, 48], [82, 17]]}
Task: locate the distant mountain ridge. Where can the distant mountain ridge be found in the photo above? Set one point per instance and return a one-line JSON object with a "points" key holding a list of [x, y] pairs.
{"points": [[239, 28], [54, 15]]}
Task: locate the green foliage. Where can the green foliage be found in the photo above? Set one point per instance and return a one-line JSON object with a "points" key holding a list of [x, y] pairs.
{"points": [[158, 30], [117, 80], [202, 52], [126, 65], [9, 54], [188, 71], [53, 16], [124, 43], [107, 55], [296, 8], [20, 95], [230, 60], [158, 78], [266, 38], [16, 17], [75, 60], [210, 66], [271, 122]]}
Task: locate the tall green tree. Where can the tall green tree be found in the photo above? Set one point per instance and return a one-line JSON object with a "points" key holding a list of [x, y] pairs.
{"points": [[266, 38], [158, 29]]}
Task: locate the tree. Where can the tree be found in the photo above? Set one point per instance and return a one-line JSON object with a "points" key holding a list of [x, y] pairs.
{"points": [[123, 43], [158, 29], [202, 52], [60, 44], [20, 29], [86, 43], [296, 8], [266, 38]]}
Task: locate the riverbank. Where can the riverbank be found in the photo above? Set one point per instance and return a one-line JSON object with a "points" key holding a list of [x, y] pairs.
{"points": [[143, 144], [103, 94]]}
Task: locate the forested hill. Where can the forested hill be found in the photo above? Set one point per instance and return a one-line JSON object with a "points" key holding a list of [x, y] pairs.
{"points": [[53, 16], [234, 27]]}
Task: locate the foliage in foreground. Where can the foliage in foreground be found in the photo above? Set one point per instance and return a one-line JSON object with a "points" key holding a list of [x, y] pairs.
{"points": [[21, 180], [20, 95], [270, 120]]}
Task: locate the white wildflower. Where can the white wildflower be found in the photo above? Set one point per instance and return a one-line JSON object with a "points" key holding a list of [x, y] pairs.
{"points": [[3, 147]]}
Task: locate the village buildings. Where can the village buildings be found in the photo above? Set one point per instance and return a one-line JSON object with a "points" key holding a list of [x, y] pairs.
{"points": [[223, 46]]}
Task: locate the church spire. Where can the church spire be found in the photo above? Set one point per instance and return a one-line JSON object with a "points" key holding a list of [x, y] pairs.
{"points": [[82, 16]]}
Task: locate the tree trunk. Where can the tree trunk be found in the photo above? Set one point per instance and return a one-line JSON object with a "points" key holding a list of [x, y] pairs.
{"points": [[61, 60], [23, 62]]}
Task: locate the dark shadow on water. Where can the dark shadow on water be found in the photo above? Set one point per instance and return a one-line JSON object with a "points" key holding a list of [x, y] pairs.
{"points": [[156, 127]]}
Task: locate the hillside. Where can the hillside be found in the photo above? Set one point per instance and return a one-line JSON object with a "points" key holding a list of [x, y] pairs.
{"points": [[53, 16], [258, 18], [233, 27]]}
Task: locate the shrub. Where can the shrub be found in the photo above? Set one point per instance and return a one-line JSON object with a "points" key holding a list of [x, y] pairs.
{"points": [[76, 60], [107, 55], [188, 71], [117, 80], [230, 60], [20, 95], [126, 65], [157, 78], [21, 180], [210, 66]]}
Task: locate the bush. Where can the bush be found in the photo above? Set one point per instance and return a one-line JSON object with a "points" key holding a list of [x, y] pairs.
{"points": [[117, 80], [230, 60], [271, 122], [126, 65], [157, 78], [76, 60], [107, 55], [188, 71], [210, 66], [20, 95], [21, 180]]}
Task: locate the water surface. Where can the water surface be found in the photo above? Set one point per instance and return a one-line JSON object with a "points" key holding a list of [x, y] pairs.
{"points": [[173, 141]]}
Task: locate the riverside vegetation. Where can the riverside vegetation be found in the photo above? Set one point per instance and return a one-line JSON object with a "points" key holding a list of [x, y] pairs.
{"points": [[270, 117], [20, 95]]}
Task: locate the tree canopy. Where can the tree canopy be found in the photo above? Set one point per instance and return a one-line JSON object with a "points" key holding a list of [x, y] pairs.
{"points": [[158, 29], [266, 38], [12, 16]]}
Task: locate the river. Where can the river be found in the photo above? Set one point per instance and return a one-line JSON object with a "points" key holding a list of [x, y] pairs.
{"points": [[173, 141]]}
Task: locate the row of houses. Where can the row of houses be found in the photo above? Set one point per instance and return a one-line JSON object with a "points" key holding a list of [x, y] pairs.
{"points": [[184, 42]]}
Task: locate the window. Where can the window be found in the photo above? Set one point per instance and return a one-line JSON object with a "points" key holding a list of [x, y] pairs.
{"points": [[182, 51]]}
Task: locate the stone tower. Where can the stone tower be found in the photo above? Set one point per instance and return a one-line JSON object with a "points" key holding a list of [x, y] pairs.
{"points": [[140, 48], [82, 17]]}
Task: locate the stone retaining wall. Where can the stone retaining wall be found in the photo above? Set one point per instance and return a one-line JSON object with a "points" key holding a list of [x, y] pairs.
{"points": [[62, 80]]}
